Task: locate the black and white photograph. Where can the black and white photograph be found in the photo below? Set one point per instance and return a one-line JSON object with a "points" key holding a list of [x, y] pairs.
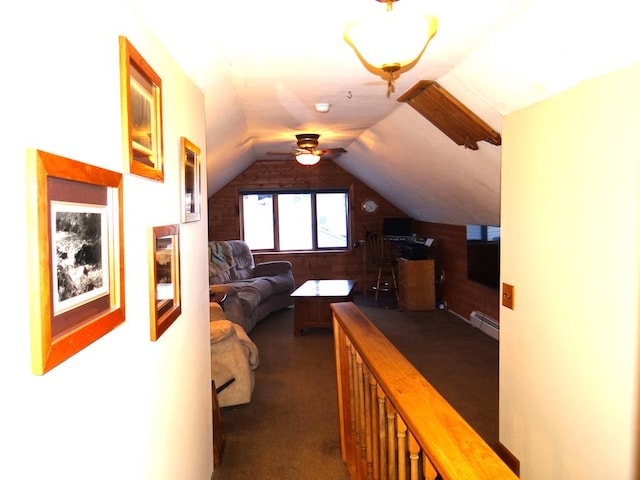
{"points": [[81, 255]]}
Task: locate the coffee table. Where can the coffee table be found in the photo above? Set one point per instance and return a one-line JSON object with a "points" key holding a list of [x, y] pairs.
{"points": [[311, 302]]}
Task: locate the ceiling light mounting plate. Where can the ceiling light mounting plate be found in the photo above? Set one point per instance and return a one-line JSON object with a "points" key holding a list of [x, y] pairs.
{"points": [[307, 140]]}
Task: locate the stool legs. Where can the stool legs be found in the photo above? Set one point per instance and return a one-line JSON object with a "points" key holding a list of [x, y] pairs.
{"points": [[379, 280]]}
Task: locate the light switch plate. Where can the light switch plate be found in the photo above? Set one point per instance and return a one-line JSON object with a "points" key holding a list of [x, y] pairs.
{"points": [[507, 295]]}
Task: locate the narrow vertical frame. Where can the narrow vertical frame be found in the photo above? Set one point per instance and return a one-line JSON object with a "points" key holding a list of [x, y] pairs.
{"points": [[190, 176], [141, 98], [59, 328], [164, 276]]}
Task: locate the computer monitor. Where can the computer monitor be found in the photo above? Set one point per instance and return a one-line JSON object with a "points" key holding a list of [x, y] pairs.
{"points": [[397, 227]]}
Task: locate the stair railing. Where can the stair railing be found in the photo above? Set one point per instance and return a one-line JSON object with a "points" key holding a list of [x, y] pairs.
{"points": [[393, 424]]}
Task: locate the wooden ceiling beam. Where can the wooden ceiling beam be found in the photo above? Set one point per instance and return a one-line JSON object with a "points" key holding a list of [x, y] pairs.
{"points": [[449, 115]]}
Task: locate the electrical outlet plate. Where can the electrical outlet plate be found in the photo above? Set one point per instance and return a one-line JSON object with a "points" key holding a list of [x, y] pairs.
{"points": [[507, 295]]}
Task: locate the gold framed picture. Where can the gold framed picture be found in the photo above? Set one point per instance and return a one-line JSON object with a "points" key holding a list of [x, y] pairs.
{"points": [[164, 275], [76, 269], [190, 173], [141, 97]]}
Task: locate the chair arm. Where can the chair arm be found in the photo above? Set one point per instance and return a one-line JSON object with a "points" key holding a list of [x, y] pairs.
{"points": [[269, 269]]}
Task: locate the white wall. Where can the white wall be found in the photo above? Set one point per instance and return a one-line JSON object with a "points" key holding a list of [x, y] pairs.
{"points": [[124, 407], [569, 349]]}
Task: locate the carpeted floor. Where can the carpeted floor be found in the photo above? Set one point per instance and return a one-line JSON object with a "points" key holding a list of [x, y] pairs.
{"points": [[289, 431]]}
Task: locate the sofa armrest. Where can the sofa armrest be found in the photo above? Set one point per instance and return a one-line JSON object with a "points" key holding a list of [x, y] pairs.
{"points": [[269, 269], [221, 288]]}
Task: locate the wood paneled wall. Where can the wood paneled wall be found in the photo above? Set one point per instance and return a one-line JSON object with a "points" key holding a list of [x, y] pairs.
{"points": [[450, 252], [461, 295], [224, 209]]}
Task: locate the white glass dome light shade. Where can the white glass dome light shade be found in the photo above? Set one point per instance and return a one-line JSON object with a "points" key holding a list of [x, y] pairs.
{"points": [[389, 39], [307, 158]]}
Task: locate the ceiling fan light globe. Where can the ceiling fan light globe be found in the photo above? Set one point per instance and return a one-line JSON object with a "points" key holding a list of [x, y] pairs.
{"points": [[307, 159]]}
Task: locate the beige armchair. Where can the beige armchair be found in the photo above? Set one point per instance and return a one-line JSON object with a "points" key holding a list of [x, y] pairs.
{"points": [[234, 357]]}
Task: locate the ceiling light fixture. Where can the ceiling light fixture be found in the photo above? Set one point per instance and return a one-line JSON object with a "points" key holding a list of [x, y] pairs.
{"points": [[322, 107], [307, 159], [390, 41]]}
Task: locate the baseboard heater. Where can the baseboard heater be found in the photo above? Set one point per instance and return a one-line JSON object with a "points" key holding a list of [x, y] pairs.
{"points": [[486, 324]]}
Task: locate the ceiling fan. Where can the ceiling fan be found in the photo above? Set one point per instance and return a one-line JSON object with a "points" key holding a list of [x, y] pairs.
{"points": [[307, 153]]}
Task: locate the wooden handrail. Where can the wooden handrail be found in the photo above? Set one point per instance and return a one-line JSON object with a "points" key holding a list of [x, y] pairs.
{"points": [[438, 438]]}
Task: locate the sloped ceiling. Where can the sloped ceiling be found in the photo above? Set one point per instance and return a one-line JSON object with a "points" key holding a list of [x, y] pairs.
{"points": [[262, 65]]}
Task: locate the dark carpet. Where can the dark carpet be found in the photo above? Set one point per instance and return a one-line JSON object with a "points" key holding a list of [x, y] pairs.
{"points": [[289, 431]]}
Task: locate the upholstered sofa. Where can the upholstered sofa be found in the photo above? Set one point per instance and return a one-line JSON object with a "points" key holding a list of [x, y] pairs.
{"points": [[252, 291]]}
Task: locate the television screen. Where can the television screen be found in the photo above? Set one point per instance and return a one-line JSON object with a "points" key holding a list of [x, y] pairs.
{"points": [[397, 227], [483, 254]]}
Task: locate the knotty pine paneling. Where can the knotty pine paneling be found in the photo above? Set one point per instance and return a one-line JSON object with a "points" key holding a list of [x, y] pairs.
{"points": [[450, 253], [224, 223]]}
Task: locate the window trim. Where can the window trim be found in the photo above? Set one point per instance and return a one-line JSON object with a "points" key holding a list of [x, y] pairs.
{"points": [[314, 224]]}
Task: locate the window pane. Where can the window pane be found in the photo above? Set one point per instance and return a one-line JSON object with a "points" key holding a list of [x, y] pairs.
{"points": [[331, 209], [294, 219], [257, 210]]}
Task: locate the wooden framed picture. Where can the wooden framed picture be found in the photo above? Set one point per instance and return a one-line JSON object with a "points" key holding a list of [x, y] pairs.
{"points": [[141, 96], [164, 274], [76, 251], [190, 166]]}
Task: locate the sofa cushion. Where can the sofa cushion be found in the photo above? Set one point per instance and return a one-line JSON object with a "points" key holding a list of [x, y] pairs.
{"points": [[221, 262], [243, 261], [281, 283], [253, 292]]}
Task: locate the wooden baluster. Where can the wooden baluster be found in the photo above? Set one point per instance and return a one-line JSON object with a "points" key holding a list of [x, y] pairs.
{"points": [[414, 457], [375, 433], [382, 433], [353, 389], [339, 349], [368, 445], [360, 424], [392, 439], [402, 448], [428, 470]]}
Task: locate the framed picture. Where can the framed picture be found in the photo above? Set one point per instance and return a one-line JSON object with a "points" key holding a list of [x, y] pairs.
{"points": [[141, 96], [76, 269], [190, 181], [164, 274]]}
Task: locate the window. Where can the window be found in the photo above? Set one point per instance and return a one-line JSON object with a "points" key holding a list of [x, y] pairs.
{"points": [[296, 220]]}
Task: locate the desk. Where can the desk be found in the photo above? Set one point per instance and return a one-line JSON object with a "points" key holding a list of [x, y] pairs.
{"points": [[311, 302]]}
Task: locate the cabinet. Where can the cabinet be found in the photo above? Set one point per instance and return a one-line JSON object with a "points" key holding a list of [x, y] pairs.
{"points": [[416, 279]]}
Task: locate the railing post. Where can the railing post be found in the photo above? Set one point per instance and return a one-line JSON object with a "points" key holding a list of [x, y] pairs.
{"points": [[382, 433], [375, 434], [402, 448], [392, 441]]}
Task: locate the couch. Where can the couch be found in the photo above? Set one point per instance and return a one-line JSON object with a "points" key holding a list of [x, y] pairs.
{"points": [[253, 291]]}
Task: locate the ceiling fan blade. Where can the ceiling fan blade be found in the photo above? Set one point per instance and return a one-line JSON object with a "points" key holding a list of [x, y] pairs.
{"points": [[331, 151]]}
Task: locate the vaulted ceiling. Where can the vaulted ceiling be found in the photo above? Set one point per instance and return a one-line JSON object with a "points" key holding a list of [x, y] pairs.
{"points": [[263, 64]]}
